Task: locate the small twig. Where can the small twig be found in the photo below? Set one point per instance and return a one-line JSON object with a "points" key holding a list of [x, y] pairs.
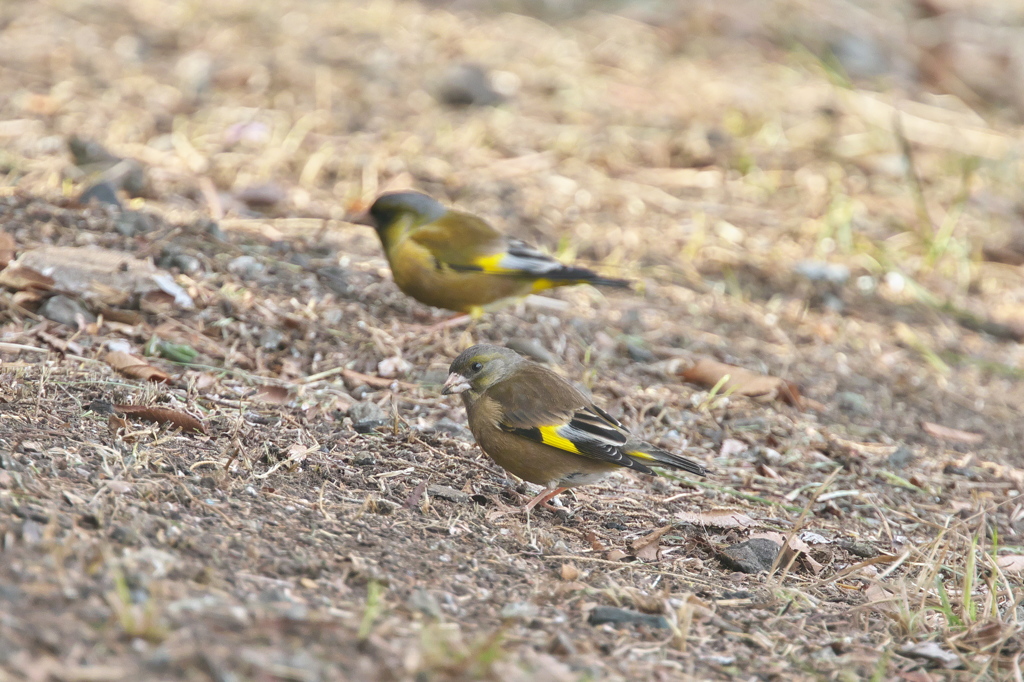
{"points": [[619, 564], [800, 521], [19, 347], [880, 559], [912, 175], [352, 375], [735, 493], [896, 564], [320, 503]]}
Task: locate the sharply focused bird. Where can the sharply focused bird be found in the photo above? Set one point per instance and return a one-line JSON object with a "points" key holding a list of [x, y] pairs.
{"points": [[455, 260], [541, 428]]}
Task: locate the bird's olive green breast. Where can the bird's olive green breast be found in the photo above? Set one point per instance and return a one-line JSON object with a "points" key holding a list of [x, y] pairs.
{"points": [[418, 273]]}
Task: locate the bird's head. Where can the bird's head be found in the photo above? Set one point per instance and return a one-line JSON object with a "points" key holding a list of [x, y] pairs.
{"points": [[480, 366], [402, 211]]}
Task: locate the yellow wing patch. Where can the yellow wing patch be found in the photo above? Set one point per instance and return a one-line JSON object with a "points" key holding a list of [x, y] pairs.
{"points": [[641, 455], [549, 436], [492, 264]]}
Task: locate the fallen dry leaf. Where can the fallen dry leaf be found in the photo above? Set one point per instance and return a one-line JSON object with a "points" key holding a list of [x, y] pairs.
{"points": [[393, 367], [985, 634], [616, 555], [931, 651], [569, 572], [163, 415], [708, 373], [134, 367], [768, 472], [948, 433], [797, 545], [102, 275], [7, 248], [646, 548], [881, 598], [278, 395], [732, 446], [297, 453], [116, 424], [19, 278], [416, 495], [119, 487], [717, 518], [27, 299]]}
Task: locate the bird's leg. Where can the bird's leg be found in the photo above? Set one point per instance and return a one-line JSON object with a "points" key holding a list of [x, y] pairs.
{"points": [[543, 498], [474, 314]]}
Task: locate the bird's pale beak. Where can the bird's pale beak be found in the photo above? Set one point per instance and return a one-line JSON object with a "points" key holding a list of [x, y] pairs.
{"points": [[456, 383], [360, 218]]}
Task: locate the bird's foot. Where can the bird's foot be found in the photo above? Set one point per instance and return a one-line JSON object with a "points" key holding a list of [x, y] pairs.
{"points": [[456, 321], [544, 498]]}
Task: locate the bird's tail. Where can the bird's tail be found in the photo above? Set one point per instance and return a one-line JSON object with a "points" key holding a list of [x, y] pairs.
{"points": [[571, 275], [653, 456], [609, 282]]}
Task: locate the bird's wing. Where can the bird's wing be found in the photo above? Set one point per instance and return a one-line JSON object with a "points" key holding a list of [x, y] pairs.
{"points": [[464, 242], [459, 240], [539, 405], [518, 258]]}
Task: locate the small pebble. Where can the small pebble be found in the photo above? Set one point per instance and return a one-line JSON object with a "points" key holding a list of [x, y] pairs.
{"points": [[367, 416], [616, 616], [246, 267], [519, 610], [447, 493], [751, 556], [466, 85], [271, 339], [901, 458], [452, 428], [424, 602], [852, 403], [66, 310], [131, 223]]}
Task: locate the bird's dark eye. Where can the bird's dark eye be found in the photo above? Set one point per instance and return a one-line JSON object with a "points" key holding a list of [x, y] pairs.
{"points": [[476, 366]]}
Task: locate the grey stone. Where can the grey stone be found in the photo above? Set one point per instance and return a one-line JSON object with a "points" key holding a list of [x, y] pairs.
{"points": [[464, 85], [448, 493], [65, 310], [246, 267], [616, 616], [752, 556], [367, 416]]}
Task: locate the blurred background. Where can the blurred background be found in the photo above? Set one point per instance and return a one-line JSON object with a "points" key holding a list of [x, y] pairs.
{"points": [[765, 129], [764, 147]]}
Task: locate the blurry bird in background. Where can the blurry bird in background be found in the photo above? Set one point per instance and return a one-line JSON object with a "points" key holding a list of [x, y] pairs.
{"points": [[455, 260]]}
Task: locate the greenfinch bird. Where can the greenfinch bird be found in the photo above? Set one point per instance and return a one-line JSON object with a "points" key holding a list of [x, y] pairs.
{"points": [[455, 260], [538, 426]]}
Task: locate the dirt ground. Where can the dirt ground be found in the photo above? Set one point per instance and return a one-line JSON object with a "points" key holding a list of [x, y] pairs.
{"points": [[332, 518]]}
